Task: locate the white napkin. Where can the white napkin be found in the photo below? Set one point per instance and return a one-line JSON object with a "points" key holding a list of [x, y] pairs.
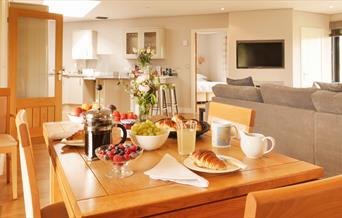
{"points": [[63, 130], [169, 169]]}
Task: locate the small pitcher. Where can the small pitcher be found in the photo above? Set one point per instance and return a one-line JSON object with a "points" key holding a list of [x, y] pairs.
{"points": [[255, 145]]}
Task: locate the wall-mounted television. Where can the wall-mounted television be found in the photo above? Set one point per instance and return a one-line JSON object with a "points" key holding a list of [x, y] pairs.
{"points": [[260, 54]]}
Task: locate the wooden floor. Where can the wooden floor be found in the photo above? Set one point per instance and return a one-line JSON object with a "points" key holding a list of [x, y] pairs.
{"points": [[15, 208]]}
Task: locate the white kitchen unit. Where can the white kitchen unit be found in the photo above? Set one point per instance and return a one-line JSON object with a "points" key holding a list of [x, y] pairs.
{"points": [[76, 90], [84, 44], [144, 38]]}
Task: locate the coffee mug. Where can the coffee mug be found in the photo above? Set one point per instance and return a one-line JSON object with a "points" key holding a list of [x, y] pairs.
{"points": [[222, 133], [254, 145]]}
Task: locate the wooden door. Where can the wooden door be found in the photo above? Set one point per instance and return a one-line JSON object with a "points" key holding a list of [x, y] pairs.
{"points": [[35, 66]]}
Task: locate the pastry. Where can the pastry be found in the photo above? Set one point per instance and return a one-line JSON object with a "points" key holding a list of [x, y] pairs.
{"points": [[177, 118], [167, 123], [208, 159], [79, 135]]}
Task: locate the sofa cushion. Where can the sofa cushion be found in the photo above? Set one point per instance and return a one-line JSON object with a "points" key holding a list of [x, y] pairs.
{"points": [[326, 101], [248, 81], [334, 87], [246, 93], [287, 96]]}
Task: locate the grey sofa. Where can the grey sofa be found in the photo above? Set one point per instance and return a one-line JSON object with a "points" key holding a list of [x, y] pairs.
{"points": [[306, 122]]}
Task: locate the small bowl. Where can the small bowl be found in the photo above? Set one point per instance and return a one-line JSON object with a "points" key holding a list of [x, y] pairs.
{"points": [[150, 143], [76, 119]]}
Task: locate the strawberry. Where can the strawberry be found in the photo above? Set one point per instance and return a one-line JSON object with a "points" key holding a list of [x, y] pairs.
{"points": [[130, 115], [127, 157], [116, 113], [121, 146], [133, 148], [117, 119], [118, 159], [124, 116]]}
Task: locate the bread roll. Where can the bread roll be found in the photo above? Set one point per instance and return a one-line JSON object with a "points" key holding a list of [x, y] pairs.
{"points": [[177, 118], [208, 159], [79, 135], [167, 123]]}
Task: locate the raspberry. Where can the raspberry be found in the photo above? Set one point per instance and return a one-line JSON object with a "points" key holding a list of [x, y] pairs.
{"points": [[118, 159]]}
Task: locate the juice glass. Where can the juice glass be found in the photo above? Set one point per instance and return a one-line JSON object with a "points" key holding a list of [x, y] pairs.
{"points": [[186, 137]]}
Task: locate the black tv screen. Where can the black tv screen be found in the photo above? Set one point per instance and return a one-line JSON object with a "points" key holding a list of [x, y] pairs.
{"points": [[260, 54]]}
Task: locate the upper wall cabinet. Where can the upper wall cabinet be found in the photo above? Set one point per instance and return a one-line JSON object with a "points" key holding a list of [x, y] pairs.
{"points": [[84, 44], [144, 38]]}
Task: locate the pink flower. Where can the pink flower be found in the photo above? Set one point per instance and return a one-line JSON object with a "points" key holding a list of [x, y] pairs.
{"points": [[144, 88], [142, 78]]}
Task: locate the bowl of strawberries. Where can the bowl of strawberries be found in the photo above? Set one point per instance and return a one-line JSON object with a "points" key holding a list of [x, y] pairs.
{"points": [[119, 155], [126, 119]]}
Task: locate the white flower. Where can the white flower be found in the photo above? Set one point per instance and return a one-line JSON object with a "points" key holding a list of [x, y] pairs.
{"points": [[142, 78], [144, 88]]}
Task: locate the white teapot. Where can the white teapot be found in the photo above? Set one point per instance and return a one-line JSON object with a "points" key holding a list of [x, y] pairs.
{"points": [[255, 145]]}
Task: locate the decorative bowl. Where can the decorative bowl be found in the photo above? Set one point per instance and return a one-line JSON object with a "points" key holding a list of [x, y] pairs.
{"points": [[150, 143], [119, 156]]}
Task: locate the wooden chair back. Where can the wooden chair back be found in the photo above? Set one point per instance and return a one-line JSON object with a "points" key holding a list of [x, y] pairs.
{"points": [[241, 116], [30, 188], [5, 110], [321, 198]]}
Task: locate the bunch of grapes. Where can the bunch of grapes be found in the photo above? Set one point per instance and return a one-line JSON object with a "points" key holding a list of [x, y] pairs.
{"points": [[147, 128]]}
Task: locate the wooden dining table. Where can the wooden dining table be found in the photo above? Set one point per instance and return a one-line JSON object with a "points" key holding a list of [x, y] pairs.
{"points": [[88, 192]]}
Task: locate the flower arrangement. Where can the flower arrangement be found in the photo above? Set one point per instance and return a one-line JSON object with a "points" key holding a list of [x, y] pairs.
{"points": [[144, 56], [143, 88]]}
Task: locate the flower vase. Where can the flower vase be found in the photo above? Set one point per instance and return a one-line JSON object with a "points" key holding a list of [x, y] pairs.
{"points": [[144, 112]]}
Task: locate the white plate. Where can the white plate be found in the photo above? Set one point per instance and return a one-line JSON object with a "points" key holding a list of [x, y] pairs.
{"points": [[77, 143], [233, 165]]}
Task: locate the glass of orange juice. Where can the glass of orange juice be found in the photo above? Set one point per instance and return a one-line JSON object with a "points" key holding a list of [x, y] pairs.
{"points": [[186, 137]]}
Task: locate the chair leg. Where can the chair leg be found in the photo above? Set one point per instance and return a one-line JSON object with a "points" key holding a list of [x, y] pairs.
{"points": [[8, 167], [14, 173]]}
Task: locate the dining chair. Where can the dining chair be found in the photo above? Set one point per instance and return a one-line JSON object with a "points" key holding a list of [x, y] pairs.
{"points": [[238, 115], [30, 188], [321, 198], [8, 145]]}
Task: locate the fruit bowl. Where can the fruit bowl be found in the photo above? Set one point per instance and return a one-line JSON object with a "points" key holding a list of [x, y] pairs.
{"points": [[76, 119], [119, 155], [152, 142]]}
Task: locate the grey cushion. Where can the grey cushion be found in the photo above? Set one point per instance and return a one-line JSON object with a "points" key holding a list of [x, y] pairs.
{"points": [[246, 93], [288, 96], [326, 101], [248, 81], [334, 87]]}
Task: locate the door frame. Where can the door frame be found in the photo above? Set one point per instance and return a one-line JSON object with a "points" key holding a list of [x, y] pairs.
{"points": [[56, 101], [193, 64]]}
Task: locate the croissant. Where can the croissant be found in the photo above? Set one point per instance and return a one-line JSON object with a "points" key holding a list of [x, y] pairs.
{"points": [[208, 159]]}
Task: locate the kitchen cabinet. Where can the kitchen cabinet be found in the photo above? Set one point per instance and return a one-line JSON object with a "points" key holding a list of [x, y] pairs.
{"points": [[144, 38], [76, 90], [84, 44]]}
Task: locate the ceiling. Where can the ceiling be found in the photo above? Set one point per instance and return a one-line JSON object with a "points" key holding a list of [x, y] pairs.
{"points": [[122, 9]]}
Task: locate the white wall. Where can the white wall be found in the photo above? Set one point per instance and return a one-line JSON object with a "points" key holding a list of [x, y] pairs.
{"points": [[110, 45], [261, 25], [311, 20], [213, 48]]}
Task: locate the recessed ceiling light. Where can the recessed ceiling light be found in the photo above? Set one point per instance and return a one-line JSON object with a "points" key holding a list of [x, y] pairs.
{"points": [[331, 6], [222, 9], [71, 8]]}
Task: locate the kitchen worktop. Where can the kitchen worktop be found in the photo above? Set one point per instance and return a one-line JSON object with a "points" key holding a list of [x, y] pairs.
{"points": [[109, 77]]}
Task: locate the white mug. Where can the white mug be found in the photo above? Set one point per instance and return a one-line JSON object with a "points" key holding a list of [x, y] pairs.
{"points": [[254, 145], [222, 133]]}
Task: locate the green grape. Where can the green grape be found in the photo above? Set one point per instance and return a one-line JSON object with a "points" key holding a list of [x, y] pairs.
{"points": [[147, 128]]}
